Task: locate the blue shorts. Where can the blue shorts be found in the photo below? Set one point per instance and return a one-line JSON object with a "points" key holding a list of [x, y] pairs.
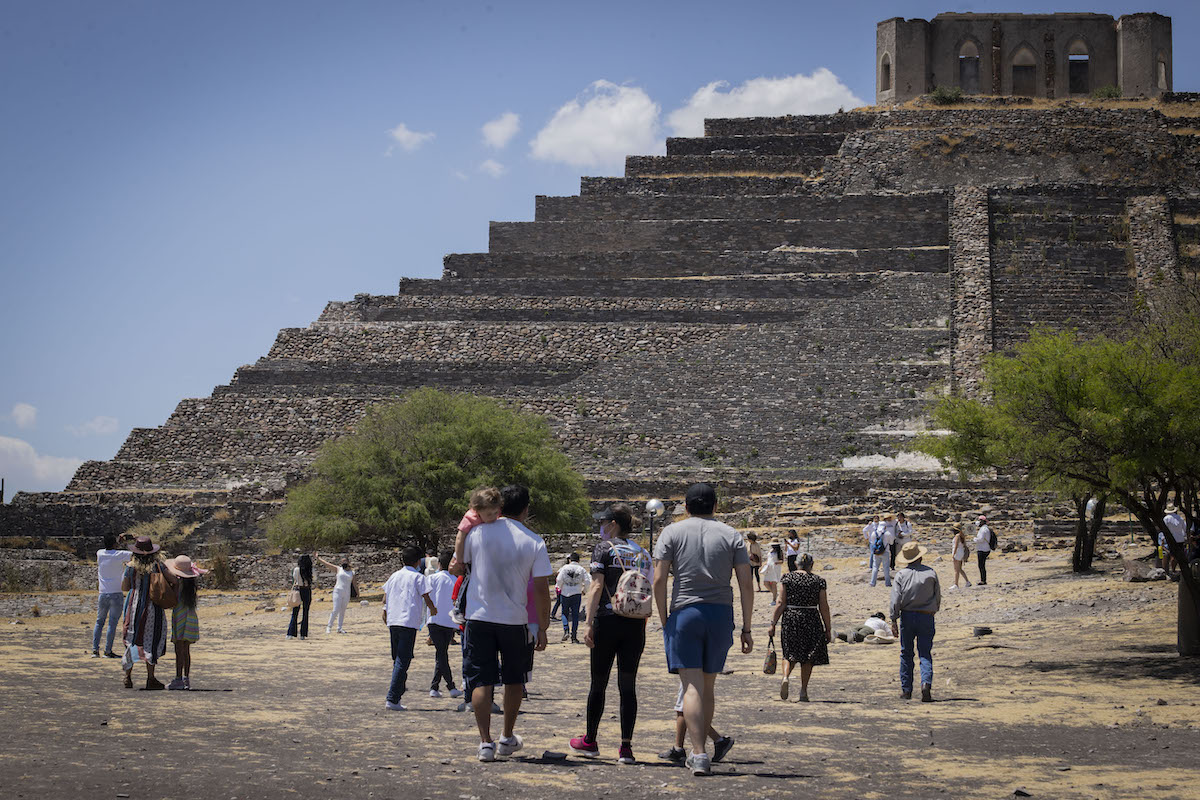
{"points": [[699, 637]]}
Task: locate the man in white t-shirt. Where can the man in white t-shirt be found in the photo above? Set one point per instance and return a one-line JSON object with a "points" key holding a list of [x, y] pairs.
{"points": [[571, 583], [405, 595], [441, 627], [110, 568], [503, 557], [867, 531], [1177, 526], [880, 544]]}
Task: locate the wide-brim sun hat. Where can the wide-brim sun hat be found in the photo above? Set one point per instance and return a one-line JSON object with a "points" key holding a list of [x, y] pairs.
{"points": [[910, 553], [143, 546], [183, 567]]}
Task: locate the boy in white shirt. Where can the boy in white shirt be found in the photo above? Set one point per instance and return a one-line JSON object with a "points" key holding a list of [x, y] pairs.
{"points": [[572, 581], [405, 593], [441, 627]]}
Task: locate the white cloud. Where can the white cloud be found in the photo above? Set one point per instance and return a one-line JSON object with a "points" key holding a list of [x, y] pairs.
{"points": [[493, 168], [96, 426], [819, 93], [406, 138], [600, 127], [458, 173], [24, 415], [27, 469], [499, 132]]}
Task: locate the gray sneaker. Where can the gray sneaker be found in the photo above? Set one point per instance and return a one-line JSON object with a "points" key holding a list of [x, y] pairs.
{"points": [[721, 748], [699, 764]]}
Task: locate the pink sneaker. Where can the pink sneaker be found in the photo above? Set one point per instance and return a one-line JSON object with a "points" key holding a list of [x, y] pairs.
{"points": [[584, 745]]}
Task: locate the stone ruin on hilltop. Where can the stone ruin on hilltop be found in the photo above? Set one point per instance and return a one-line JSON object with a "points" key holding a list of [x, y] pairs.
{"points": [[772, 305]]}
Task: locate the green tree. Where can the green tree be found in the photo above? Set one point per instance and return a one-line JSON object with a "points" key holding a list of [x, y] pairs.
{"points": [[408, 470], [1106, 418]]}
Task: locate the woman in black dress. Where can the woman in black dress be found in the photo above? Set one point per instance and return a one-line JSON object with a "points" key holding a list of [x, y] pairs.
{"points": [[807, 630]]}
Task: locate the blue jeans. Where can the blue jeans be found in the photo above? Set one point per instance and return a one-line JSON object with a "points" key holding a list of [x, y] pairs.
{"points": [[570, 611], [110, 605], [403, 640], [915, 625]]}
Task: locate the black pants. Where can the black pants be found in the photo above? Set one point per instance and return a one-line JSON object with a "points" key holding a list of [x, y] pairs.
{"points": [[558, 598], [570, 614], [895, 546], [305, 602], [754, 572], [791, 563], [619, 639], [442, 636], [981, 556]]}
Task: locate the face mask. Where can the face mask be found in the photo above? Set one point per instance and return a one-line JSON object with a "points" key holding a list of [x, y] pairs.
{"points": [[604, 536]]}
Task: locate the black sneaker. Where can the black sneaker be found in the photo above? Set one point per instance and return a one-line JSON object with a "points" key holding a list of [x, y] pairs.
{"points": [[926, 693], [721, 748], [676, 755]]}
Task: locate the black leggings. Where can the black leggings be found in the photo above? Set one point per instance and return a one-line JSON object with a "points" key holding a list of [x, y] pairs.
{"points": [[791, 563], [621, 639], [981, 556]]}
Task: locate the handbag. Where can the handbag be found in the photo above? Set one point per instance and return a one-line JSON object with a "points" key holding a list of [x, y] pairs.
{"points": [[294, 600], [162, 591], [771, 659]]}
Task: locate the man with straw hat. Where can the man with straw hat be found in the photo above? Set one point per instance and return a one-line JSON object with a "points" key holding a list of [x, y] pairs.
{"points": [[916, 598]]}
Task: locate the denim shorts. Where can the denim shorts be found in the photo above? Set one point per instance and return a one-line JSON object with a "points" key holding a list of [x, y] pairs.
{"points": [[699, 637]]}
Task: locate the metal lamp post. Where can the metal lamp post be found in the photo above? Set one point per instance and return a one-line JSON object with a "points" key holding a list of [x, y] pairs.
{"points": [[654, 508]]}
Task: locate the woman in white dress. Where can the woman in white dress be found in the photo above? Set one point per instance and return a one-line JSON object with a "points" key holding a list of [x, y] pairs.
{"points": [[772, 571], [342, 589], [959, 553]]}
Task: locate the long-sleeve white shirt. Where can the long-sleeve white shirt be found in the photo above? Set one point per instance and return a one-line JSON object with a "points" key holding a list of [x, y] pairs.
{"points": [[868, 529], [983, 539], [572, 580]]}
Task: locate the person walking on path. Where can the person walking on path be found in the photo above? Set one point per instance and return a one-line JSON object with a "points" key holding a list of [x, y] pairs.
{"points": [[756, 559], [343, 587], [807, 630], [1176, 525], [441, 626], [302, 581], [502, 555], [772, 571], [610, 636], [110, 567], [902, 534], [185, 624], [570, 585], [880, 543], [703, 555], [916, 598], [868, 531], [983, 548], [958, 555], [405, 596], [792, 548], [144, 630]]}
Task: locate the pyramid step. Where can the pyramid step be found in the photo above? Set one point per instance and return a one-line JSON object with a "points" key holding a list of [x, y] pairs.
{"points": [[790, 125], [749, 165], [808, 144], [909, 208], [722, 185]]}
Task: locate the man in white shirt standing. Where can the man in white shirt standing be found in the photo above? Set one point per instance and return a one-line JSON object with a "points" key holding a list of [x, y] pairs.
{"points": [[1176, 525], [504, 556], [405, 594], [110, 568], [983, 548], [441, 627], [868, 530], [572, 582]]}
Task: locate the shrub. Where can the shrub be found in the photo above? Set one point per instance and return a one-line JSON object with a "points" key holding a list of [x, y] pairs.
{"points": [[946, 95], [220, 575], [1109, 92]]}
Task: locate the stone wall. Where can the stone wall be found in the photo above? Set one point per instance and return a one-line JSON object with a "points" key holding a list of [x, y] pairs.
{"points": [[971, 271]]}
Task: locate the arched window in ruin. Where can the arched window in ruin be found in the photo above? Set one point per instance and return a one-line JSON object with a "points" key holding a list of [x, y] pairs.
{"points": [[968, 67], [885, 73], [1079, 79], [1024, 72]]}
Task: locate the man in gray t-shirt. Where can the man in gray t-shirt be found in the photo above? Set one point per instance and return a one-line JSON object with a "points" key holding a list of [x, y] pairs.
{"points": [[703, 555]]}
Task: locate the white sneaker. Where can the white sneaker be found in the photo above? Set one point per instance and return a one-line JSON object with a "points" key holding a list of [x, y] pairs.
{"points": [[434, 693], [487, 751], [699, 764], [506, 747], [456, 692], [390, 706], [328, 630]]}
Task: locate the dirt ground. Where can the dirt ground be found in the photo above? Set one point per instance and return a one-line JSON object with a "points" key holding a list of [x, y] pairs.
{"points": [[1077, 694]]}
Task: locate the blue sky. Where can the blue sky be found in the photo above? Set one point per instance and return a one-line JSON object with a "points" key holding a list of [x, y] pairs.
{"points": [[182, 180]]}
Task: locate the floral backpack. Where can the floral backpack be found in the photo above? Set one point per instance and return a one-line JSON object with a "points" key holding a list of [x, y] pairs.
{"points": [[634, 596]]}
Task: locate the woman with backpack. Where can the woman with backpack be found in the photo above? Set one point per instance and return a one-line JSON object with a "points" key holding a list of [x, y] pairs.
{"points": [[302, 581], [151, 589], [185, 625], [618, 607]]}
